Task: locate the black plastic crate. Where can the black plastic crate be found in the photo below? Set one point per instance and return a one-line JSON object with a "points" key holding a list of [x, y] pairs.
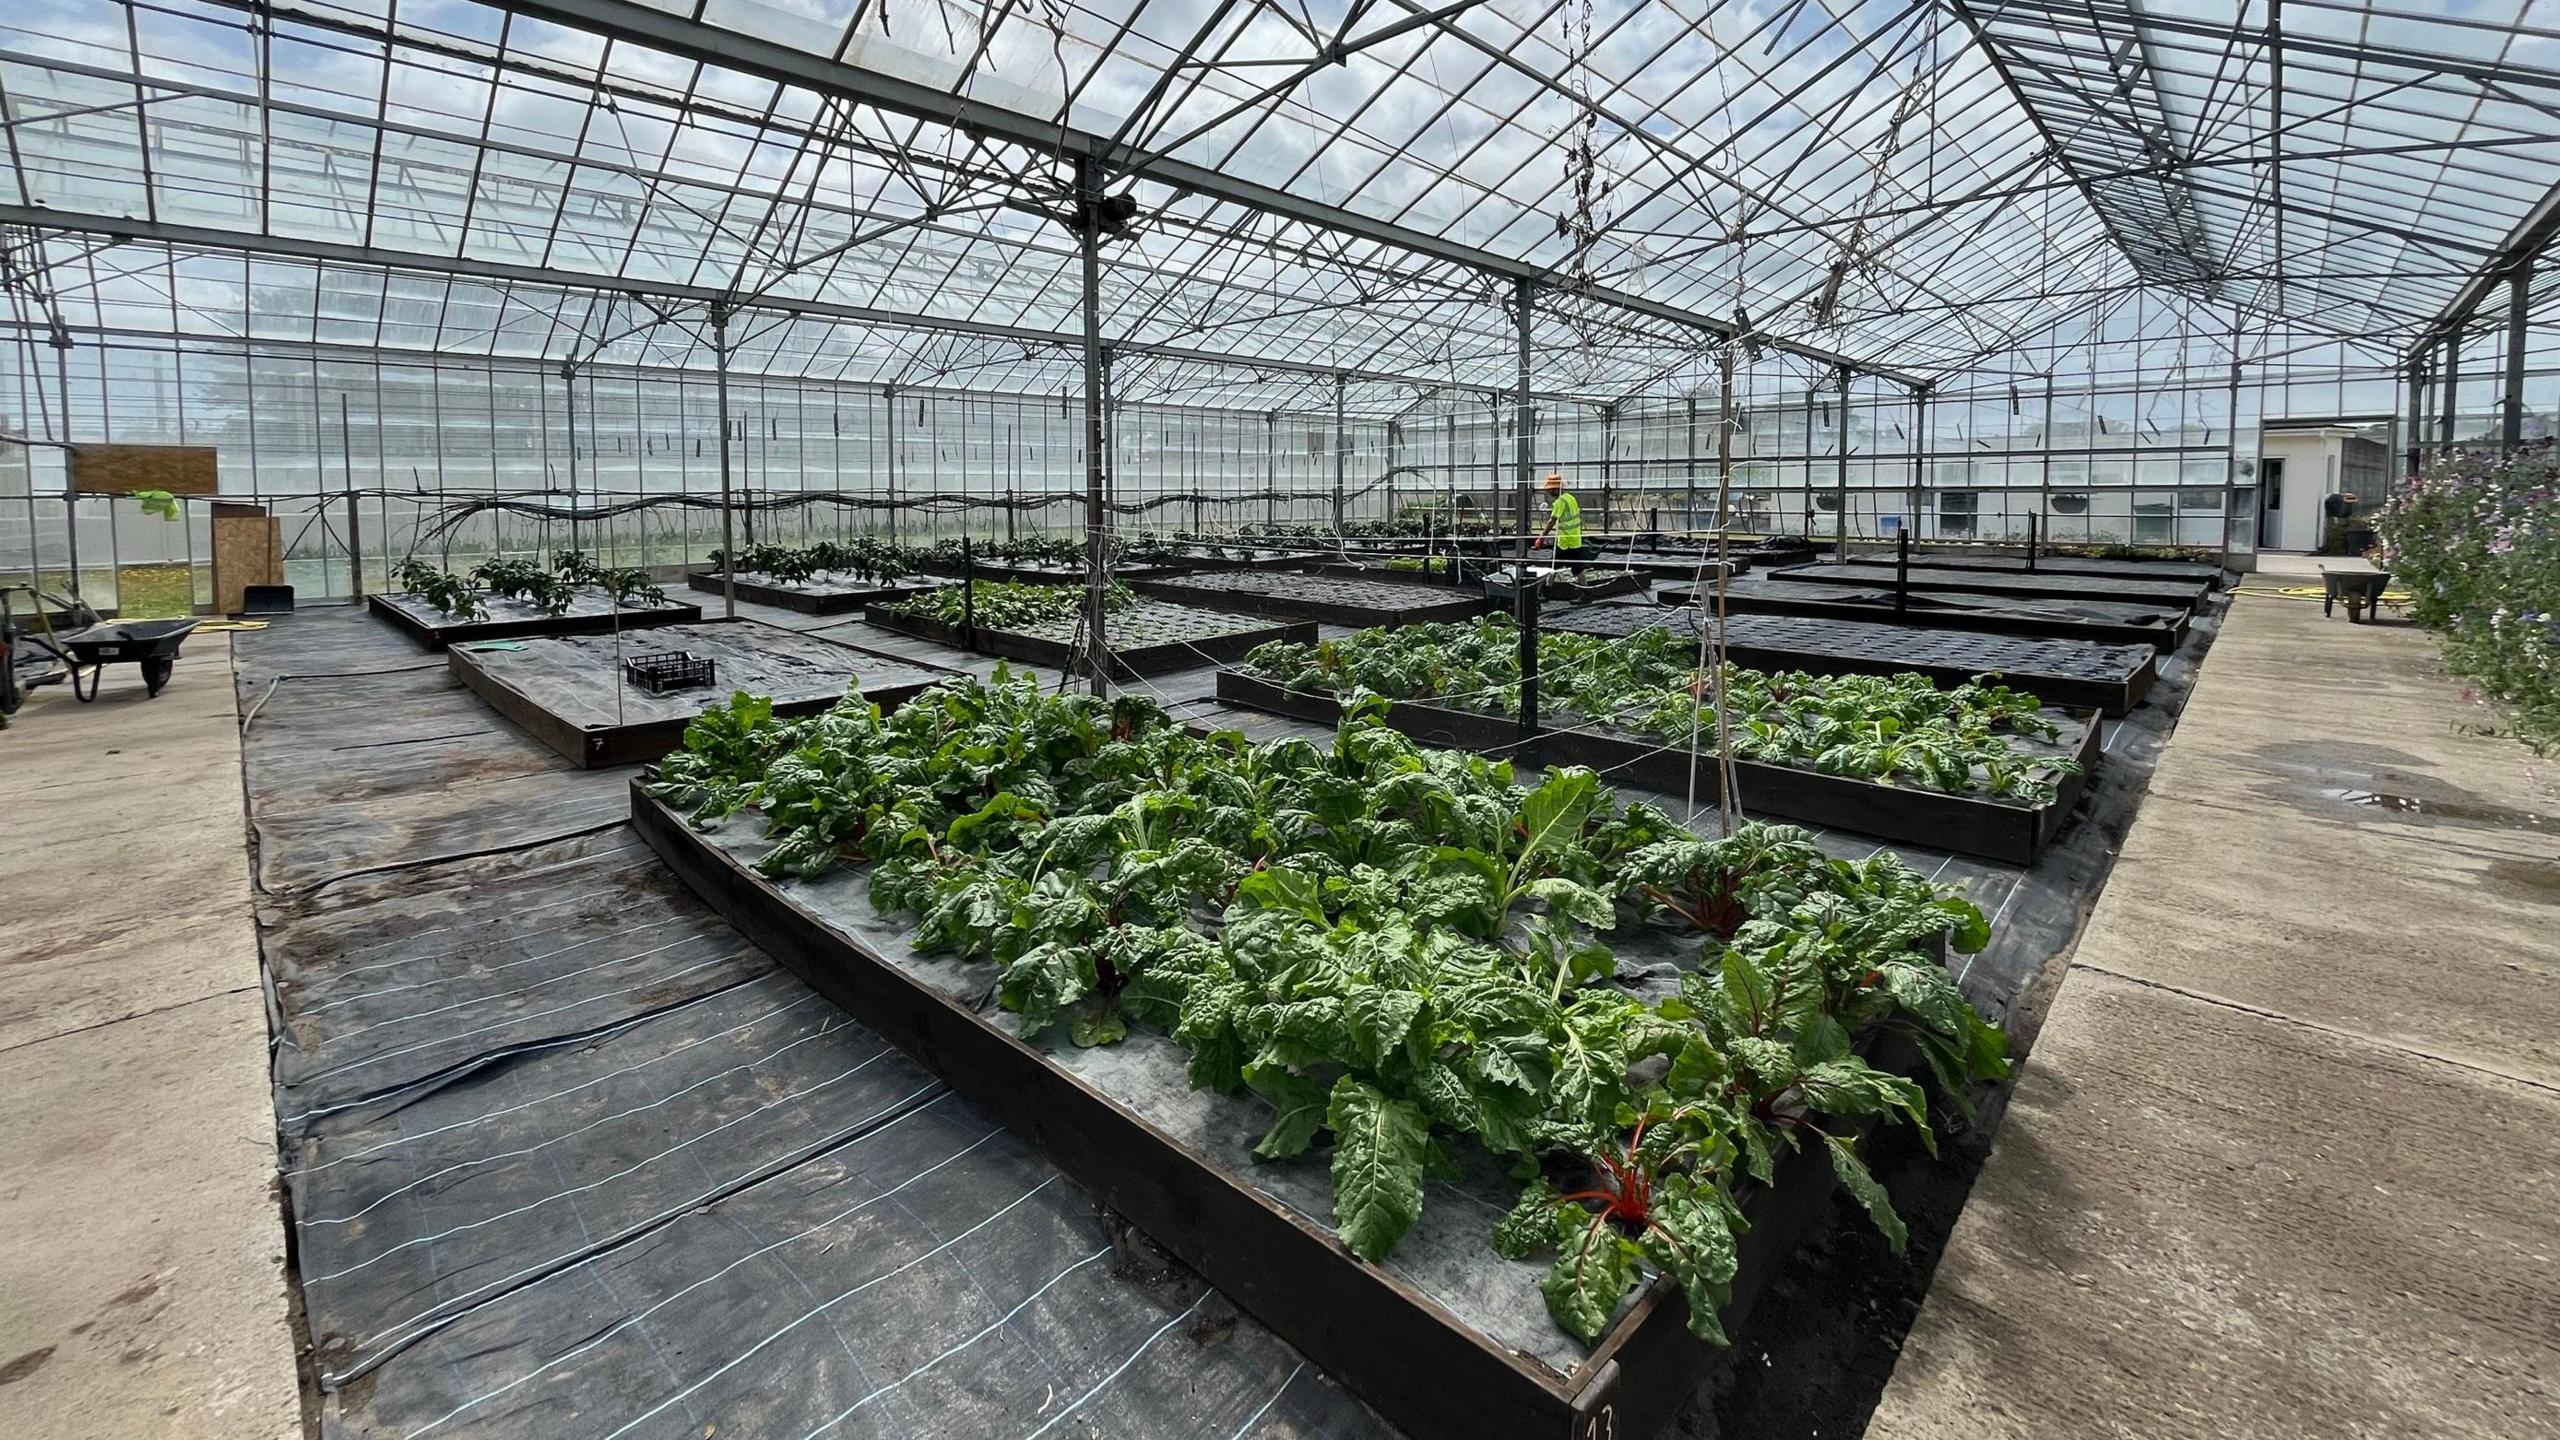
{"points": [[664, 671]]}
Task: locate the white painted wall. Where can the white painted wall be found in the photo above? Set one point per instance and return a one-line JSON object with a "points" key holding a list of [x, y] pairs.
{"points": [[2312, 460]]}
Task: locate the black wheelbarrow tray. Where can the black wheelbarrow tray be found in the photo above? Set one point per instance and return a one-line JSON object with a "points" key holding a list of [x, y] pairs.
{"points": [[151, 644]]}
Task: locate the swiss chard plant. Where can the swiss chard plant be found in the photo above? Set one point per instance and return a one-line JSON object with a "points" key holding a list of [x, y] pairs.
{"points": [[1888, 730], [1404, 953], [1004, 604]]}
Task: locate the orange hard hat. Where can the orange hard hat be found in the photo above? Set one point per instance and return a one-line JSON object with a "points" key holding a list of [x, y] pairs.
{"points": [[1555, 480]]}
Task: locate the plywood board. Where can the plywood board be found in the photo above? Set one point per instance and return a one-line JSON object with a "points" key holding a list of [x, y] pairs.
{"points": [[247, 550], [123, 469]]}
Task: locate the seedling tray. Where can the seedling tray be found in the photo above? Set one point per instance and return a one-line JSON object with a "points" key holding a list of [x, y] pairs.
{"points": [[1327, 599], [2111, 679], [2162, 627], [2188, 595], [561, 690], [1148, 638], [1999, 830], [590, 612], [1446, 1339], [806, 597]]}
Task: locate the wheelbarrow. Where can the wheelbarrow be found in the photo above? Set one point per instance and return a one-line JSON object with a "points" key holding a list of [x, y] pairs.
{"points": [[2361, 589], [151, 644]]}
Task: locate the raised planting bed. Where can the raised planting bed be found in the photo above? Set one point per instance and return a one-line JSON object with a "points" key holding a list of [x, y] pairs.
{"points": [[1122, 938], [2162, 627], [1446, 1338], [813, 596], [2051, 562], [1146, 637], [2008, 831], [1330, 599], [2187, 595], [1566, 587], [1657, 565], [591, 611], [577, 694], [2078, 673], [1035, 572]]}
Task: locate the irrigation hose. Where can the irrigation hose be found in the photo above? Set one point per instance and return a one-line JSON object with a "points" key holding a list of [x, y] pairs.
{"points": [[2309, 592]]}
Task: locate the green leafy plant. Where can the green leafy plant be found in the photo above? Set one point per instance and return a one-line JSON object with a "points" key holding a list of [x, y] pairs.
{"points": [[522, 579], [1004, 604], [1400, 950], [451, 594], [1888, 729], [866, 558]]}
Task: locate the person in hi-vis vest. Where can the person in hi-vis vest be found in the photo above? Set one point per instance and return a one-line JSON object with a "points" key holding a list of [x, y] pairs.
{"points": [[1564, 520]]}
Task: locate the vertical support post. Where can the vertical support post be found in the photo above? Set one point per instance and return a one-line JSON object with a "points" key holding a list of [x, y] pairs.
{"points": [[1449, 477], [1902, 573], [2417, 414], [728, 508], [1395, 454], [1270, 470], [2452, 378], [71, 496], [1341, 451], [355, 514], [569, 383], [1689, 517], [1920, 459], [889, 474], [2231, 450], [1089, 242], [1608, 462], [2511, 404], [1524, 593], [2035, 525], [1840, 480]]}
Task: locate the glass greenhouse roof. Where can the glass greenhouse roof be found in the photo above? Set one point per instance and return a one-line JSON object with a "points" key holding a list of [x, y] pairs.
{"points": [[1353, 186]]}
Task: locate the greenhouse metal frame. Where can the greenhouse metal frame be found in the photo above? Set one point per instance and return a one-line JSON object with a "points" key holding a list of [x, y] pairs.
{"points": [[974, 268]]}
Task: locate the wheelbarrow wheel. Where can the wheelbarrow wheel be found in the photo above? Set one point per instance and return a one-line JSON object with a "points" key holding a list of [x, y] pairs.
{"points": [[155, 673]]}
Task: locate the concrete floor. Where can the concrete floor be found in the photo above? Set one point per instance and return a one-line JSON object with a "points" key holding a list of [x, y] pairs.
{"points": [[2285, 1160], [142, 1286]]}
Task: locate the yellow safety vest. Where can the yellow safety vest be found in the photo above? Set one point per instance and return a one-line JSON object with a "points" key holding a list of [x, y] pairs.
{"points": [[1567, 513]]}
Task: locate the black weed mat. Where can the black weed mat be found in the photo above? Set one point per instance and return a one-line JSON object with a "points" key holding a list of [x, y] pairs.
{"points": [[363, 752], [567, 1158]]}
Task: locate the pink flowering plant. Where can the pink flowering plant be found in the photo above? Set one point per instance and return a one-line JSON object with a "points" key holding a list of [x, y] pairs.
{"points": [[2475, 540]]}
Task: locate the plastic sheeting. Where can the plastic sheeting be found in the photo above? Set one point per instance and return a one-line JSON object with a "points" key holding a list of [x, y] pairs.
{"points": [[567, 1157]]}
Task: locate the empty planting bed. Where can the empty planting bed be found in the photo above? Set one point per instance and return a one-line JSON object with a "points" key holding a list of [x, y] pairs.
{"points": [[2109, 678], [577, 694], [2186, 595], [2105, 622], [813, 596], [2057, 563], [1330, 599], [1146, 637], [591, 611]]}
